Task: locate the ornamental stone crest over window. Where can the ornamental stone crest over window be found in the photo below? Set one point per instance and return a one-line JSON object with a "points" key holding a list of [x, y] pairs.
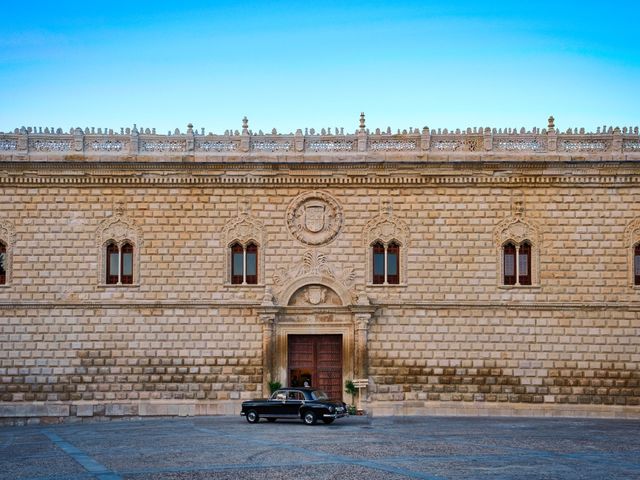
{"points": [[314, 218], [518, 241], [386, 230]]}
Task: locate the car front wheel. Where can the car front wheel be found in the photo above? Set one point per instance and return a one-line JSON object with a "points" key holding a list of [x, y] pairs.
{"points": [[252, 416], [309, 418]]}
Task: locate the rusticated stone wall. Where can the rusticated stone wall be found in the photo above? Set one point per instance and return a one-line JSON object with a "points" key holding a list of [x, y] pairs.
{"points": [[563, 356], [181, 340]]}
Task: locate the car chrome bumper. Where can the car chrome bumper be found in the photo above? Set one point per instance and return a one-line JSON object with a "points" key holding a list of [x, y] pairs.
{"points": [[335, 415]]}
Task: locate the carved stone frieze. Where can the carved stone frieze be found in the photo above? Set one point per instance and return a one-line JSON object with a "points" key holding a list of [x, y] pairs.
{"points": [[314, 218], [385, 227], [516, 229], [315, 268], [243, 229]]}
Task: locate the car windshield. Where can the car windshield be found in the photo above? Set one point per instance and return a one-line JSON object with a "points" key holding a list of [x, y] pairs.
{"points": [[319, 395]]}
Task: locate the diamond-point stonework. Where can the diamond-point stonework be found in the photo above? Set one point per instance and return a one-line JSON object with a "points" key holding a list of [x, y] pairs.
{"points": [[314, 218]]}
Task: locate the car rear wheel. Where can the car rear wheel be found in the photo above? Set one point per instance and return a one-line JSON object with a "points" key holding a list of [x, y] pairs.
{"points": [[252, 416], [328, 420], [309, 418]]}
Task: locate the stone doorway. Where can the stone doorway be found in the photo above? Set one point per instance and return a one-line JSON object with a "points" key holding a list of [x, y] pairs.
{"points": [[316, 359]]}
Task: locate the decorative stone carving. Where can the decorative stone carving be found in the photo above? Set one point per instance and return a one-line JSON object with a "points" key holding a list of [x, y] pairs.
{"points": [[631, 239], [50, 146], [386, 227], [336, 146], [269, 146], [244, 229], [107, 146], [392, 145], [121, 229], [584, 146], [315, 295], [163, 146], [516, 229], [8, 145], [315, 269], [533, 145], [314, 218], [218, 146]]}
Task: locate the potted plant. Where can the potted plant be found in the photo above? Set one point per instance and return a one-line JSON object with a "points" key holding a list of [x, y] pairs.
{"points": [[350, 388], [273, 386]]}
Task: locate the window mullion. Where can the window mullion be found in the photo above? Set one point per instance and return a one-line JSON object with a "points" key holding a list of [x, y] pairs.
{"points": [[119, 265], [385, 265], [517, 265], [244, 264]]}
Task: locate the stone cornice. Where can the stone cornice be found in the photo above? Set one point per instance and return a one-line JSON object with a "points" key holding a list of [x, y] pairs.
{"points": [[576, 172], [592, 306]]}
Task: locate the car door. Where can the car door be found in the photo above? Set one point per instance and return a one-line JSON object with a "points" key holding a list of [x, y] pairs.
{"points": [[277, 404], [293, 403]]}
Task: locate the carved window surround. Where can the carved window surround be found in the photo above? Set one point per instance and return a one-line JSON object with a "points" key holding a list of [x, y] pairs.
{"points": [[631, 239], [118, 229], [243, 230], [7, 236], [517, 230], [386, 228]]}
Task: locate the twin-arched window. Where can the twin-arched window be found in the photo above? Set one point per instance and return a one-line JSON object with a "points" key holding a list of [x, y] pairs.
{"points": [[119, 268], [517, 263], [244, 264], [386, 263]]}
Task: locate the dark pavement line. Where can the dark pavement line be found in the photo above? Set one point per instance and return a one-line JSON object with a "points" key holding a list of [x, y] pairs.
{"points": [[332, 458], [88, 463]]}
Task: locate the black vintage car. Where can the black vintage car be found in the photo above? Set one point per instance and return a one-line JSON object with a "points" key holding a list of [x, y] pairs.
{"points": [[307, 404]]}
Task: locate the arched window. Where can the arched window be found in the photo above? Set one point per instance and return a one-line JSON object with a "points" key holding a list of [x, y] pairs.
{"points": [[636, 264], [113, 262], [393, 263], [524, 264], [252, 264], [3, 264], [386, 263], [119, 268], [509, 264], [126, 264], [244, 264], [517, 263], [378, 263]]}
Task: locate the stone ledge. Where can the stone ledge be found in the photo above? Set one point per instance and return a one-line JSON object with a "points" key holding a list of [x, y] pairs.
{"points": [[477, 409]]}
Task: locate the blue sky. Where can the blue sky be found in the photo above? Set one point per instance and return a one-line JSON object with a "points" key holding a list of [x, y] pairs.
{"points": [[319, 64]]}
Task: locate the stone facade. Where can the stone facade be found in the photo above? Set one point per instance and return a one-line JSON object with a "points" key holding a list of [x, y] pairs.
{"points": [[450, 337]]}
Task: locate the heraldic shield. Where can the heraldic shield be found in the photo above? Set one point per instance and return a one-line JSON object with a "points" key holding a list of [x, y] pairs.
{"points": [[314, 216]]}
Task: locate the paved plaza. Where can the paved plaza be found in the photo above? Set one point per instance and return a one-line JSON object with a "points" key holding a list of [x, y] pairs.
{"points": [[354, 447]]}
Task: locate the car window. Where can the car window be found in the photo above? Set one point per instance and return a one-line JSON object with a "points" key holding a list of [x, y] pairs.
{"points": [[296, 396], [279, 395], [319, 395]]}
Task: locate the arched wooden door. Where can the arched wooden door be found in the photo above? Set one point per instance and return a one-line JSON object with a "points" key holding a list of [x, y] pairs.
{"points": [[316, 359]]}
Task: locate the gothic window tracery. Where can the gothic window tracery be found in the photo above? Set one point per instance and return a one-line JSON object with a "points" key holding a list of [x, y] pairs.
{"points": [[386, 239], [119, 242], [518, 251], [244, 237]]}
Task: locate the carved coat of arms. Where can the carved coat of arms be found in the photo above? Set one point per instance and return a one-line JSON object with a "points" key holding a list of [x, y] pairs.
{"points": [[314, 218]]}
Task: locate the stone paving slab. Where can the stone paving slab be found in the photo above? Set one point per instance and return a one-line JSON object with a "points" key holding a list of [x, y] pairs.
{"points": [[355, 447]]}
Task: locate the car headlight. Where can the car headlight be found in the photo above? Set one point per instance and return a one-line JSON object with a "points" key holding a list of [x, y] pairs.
{"points": [[331, 409]]}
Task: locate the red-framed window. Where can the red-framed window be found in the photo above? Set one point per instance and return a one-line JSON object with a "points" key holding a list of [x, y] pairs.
{"points": [[509, 264], [3, 264], [113, 264], [237, 264], [126, 264], [378, 263], [636, 264], [252, 264], [524, 264], [393, 263]]}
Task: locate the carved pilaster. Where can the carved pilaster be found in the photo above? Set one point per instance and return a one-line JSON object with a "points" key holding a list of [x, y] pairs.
{"points": [[23, 140], [425, 139], [267, 316], [616, 144], [134, 141]]}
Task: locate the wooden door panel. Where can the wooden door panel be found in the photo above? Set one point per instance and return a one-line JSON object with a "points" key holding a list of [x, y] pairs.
{"points": [[319, 356]]}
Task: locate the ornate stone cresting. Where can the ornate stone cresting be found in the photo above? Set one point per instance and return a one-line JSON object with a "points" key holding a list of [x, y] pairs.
{"points": [[121, 229], [386, 227], [314, 218], [315, 269], [631, 239], [517, 229], [7, 237], [244, 229]]}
